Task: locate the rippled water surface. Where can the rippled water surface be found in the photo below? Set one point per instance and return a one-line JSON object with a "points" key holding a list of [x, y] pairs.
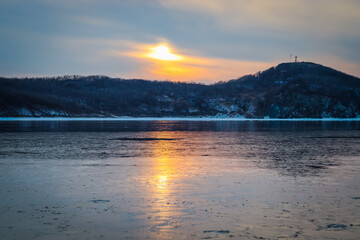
{"points": [[179, 180]]}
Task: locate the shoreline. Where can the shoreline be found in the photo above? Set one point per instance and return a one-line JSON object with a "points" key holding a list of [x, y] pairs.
{"points": [[169, 119]]}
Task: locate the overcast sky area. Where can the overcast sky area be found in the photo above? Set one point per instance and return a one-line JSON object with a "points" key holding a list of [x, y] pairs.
{"points": [[217, 40]]}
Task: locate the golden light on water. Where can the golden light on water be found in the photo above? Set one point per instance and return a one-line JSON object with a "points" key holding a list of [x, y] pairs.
{"points": [[165, 165], [163, 181]]}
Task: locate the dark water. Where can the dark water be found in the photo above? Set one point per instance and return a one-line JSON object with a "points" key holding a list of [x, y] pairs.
{"points": [[148, 126], [179, 179]]}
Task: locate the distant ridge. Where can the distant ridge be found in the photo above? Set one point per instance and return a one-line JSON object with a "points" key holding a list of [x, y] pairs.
{"points": [[289, 90]]}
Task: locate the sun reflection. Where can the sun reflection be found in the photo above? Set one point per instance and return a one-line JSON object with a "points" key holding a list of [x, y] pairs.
{"points": [[165, 165], [166, 173], [162, 182]]}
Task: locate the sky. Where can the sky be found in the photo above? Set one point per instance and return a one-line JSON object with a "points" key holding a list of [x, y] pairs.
{"points": [[202, 41]]}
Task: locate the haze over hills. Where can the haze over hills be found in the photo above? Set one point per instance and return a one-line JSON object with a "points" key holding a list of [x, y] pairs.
{"points": [[289, 90]]}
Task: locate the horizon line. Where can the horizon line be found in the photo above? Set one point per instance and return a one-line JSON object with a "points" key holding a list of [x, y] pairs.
{"points": [[74, 76]]}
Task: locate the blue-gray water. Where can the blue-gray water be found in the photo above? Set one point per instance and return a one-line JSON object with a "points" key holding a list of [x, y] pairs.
{"points": [[179, 179]]}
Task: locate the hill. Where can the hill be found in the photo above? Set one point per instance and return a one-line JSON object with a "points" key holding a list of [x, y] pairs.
{"points": [[289, 90]]}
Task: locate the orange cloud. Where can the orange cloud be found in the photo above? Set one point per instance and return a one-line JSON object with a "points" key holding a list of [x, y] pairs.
{"points": [[163, 61], [189, 67]]}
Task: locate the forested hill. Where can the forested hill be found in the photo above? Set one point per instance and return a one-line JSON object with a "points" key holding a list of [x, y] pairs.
{"points": [[289, 90]]}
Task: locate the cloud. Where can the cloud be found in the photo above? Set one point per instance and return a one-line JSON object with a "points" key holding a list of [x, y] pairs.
{"points": [[92, 21], [129, 59], [189, 67], [220, 39], [313, 17]]}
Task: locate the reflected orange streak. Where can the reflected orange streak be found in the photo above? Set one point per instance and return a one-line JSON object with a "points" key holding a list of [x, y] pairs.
{"points": [[165, 164], [166, 171]]}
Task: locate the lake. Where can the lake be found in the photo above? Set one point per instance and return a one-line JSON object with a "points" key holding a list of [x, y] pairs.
{"points": [[179, 179]]}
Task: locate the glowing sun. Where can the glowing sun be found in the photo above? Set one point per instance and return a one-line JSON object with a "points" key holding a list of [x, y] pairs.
{"points": [[162, 52]]}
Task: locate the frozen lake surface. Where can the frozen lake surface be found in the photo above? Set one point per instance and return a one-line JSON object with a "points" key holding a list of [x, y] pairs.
{"points": [[179, 179]]}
